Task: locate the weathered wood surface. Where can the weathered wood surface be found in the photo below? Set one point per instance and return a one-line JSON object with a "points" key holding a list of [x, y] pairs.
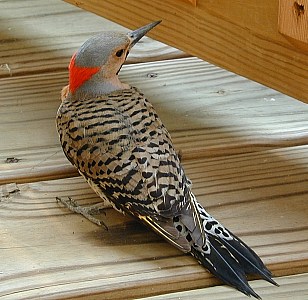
{"points": [[49, 252], [244, 146], [221, 113], [291, 287], [41, 36], [242, 37]]}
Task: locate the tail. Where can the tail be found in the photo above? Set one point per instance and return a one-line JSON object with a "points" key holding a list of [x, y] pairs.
{"points": [[221, 252]]}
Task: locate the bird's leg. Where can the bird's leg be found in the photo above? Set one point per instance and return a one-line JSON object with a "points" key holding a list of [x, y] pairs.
{"points": [[88, 212]]}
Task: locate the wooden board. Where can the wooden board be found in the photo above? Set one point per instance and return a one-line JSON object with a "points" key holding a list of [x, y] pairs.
{"points": [[220, 112], [49, 252], [291, 287], [293, 22], [41, 36], [243, 38], [244, 146]]}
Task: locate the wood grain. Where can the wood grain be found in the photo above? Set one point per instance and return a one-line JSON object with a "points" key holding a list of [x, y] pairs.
{"points": [[291, 287], [241, 38], [50, 252], [244, 146], [42, 36], [293, 21], [220, 112]]}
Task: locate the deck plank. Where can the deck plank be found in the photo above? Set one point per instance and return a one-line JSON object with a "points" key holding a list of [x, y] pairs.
{"points": [[221, 113], [291, 287], [48, 251], [41, 36], [244, 146]]}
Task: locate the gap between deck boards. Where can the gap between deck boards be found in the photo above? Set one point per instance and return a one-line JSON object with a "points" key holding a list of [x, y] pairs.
{"points": [[50, 250], [244, 146], [221, 114]]}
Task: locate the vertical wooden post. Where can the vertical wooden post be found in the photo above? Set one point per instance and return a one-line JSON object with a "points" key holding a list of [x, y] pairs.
{"points": [[193, 2], [293, 21]]}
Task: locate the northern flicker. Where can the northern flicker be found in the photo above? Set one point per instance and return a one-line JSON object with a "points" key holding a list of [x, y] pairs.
{"points": [[111, 133]]}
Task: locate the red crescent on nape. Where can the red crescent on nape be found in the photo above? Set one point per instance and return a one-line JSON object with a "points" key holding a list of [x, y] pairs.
{"points": [[78, 75]]}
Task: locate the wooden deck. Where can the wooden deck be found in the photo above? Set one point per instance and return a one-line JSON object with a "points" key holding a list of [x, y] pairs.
{"points": [[244, 146]]}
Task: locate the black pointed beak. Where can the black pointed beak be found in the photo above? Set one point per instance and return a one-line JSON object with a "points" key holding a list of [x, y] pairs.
{"points": [[137, 34]]}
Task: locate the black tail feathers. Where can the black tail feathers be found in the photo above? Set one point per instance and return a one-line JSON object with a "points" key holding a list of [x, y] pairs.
{"points": [[231, 260]]}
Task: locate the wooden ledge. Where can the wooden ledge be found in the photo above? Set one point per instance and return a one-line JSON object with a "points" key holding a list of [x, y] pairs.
{"points": [[243, 38]]}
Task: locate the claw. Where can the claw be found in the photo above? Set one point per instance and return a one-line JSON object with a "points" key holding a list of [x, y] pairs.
{"points": [[87, 212]]}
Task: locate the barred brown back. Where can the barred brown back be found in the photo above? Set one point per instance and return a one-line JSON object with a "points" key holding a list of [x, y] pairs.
{"points": [[119, 144]]}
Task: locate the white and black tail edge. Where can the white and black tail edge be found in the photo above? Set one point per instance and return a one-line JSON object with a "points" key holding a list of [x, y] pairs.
{"points": [[231, 260]]}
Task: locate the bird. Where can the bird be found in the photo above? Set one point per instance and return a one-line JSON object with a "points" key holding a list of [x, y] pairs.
{"points": [[112, 134]]}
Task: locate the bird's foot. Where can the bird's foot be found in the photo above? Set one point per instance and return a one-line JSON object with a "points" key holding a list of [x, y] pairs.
{"points": [[88, 212]]}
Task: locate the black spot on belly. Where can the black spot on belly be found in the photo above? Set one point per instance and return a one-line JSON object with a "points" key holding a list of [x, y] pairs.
{"points": [[147, 175], [205, 248], [188, 238], [208, 226], [179, 228], [142, 160]]}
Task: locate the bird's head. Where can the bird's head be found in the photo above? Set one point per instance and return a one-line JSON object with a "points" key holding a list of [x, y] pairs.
{"points": [[99, 60]]}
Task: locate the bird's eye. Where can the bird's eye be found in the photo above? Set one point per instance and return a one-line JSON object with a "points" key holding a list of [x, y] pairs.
{"points": [[119, 53]]}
